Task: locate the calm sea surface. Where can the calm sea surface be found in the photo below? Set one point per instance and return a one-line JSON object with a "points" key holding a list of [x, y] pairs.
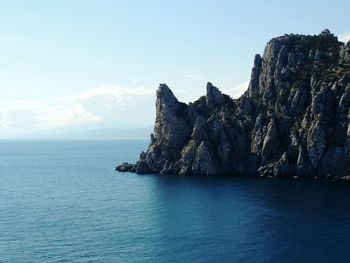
{"points": [[62, 201]]}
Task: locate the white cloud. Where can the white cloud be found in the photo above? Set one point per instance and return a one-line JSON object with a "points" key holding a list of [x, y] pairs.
{"points": [[10, 111], [116, 92], [4, 122], [193, 76], [6, 106], [106, 103], [21, 113], [102, 106], [345, 37], [238, 90], [61, 116]]}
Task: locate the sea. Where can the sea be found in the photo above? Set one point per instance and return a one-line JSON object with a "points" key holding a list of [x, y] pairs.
{"points": [[63, 201]]}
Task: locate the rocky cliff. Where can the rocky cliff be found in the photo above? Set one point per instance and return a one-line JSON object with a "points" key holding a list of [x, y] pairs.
{"points": [[292, 121]]}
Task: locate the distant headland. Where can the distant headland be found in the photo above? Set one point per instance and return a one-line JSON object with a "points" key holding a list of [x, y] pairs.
{"points": [[292, 121]]}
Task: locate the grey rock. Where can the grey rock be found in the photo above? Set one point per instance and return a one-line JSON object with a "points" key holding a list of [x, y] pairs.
{"points": [[214, 97], [293, 120], [171, 126], [316, 143], [270, 141], [345, 52], [325, 33], [125, 167], [253, 88], [204, 162]]}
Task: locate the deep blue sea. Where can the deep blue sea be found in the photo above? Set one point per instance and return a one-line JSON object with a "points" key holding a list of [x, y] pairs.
{"points": [[62, 201]]}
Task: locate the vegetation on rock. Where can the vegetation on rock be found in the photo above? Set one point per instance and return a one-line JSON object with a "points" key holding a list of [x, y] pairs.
{"points": [[292, 121]]}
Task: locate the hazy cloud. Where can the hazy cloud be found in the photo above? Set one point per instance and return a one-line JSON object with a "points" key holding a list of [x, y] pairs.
{"points": [[109, 90], [21, 113], [238, 90], [4, 122], [61, 116], [104, 103], [345, 37], [102, 106]]}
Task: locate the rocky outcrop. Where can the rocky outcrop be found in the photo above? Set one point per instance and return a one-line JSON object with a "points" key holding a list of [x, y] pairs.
{"points": [[292, 121]]}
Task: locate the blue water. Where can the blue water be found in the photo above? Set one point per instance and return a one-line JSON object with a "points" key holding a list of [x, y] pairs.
{"points": [[62, 201]]}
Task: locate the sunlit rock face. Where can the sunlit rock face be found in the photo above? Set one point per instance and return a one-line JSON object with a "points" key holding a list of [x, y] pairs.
{"points": [[292, 121]]}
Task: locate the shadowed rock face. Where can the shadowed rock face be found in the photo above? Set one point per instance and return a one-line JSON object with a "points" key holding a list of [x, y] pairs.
{"points": [[292, 121]]}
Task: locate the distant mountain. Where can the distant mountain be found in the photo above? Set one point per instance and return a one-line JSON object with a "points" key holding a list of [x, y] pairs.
{"points": [[87, 134], [107, 133]]}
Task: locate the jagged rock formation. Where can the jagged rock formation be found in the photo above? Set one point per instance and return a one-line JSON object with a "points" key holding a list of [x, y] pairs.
{"points": [[292, 121]]}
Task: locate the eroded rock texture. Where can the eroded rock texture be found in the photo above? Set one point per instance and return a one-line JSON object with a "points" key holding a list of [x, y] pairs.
{"points": [[292, 121]]}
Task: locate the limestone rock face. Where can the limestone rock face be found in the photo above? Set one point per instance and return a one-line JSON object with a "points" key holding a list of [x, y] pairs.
{"points": [[214, 97], [293, 120]]}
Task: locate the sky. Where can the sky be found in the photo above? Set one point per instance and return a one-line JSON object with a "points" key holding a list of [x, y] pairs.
{"points": [[75, 65]]}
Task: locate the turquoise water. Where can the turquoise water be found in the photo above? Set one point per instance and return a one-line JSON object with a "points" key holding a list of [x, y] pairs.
{"points": [[62, 201]]}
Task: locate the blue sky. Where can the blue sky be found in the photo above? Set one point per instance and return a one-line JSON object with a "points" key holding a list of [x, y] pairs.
{"points": [[96, 64]]}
